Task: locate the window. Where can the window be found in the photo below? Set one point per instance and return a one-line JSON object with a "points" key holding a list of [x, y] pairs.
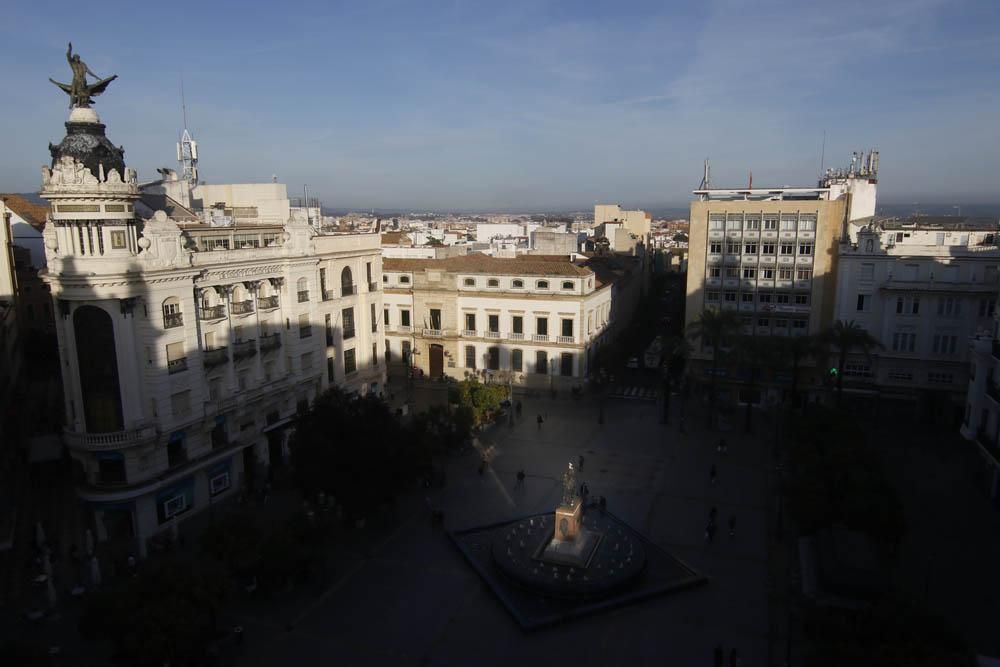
{"points": [[493, 358], [404, 350], [493, 282], [781, 324], [764, 297], [909, 305], [567, 284], [117, 240], [172, 313], [801, 299], [716, 221], [541, 362], [374, 319], [388, 352], [329, 369], [799, 326], [784, 274], [746, 297], [903, 341], [950, 306], [180, 403], [750, 249], [516, 360], [940, 378], [788, 222], [385, 317], [857, 369], [217, 484], [803, 274], [712, 296], [470, 356], [752, 222], [542, 326], [347, 318], [715, 248], [867, 272], [404, 318], [469, 282], [542, 284], [734, 221], [749, 272], [517, 324], [305, 329], [770, 223], [805, 248], [987, 307], [174, 506], [350, 363], [767, 274], [807, 223], [566, 364], [900, 375], [714, 272], [567, 327], [404, 280], [782, 298], [763, 322], [346, 281], [493, 323], [787, 248], [322, 284], [517, 284], [368, 272], [328, 322], [374, 355], [385, 277], [470, 321], [767, 249], [732, 272], [306, 361], [732, 248], [176, 358], [864, 303], [302, 288], [730, 297], [944, 344]]}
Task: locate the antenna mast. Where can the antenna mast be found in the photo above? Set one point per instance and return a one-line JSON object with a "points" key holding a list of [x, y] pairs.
{"points": [[187, 148], [706, 179]]}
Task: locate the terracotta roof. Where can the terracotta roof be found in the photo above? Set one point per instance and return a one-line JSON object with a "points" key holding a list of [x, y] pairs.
{"points": [[528, 265], [610, 268], [34, 214]]}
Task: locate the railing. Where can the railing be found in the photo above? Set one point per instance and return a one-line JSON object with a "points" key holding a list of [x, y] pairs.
{"points": [[265, 302], [564, 339], [372, 287], [540, 338], [105, 441], [517, 336], [433, 333], [171, 320], [493, 334], [242, 307], [303, 295], [348, 290], [212, 313], [244, 348], [405, 328], [214, 356], [270, 342], [468, 333], [177, 365]]}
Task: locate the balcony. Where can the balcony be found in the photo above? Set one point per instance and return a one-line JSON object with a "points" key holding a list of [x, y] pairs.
{"points": [[177, 365], [303, 296], [212, 313], [267, 302], [243, 349], [404, 328], [564, 339], [242, 307], [517, 335], [270, 342], [540, 338], [96, 442], [494, 334], [171, 320], [348, 290], [329, 295], [433, 333], [214, 356], [468, 333], [372, 287]]}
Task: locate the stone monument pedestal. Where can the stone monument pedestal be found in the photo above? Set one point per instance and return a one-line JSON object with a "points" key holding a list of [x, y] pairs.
{"points": [[569, 522]]}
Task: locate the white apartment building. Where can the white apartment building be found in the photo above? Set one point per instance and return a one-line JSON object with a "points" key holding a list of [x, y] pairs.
{"points": [[531, 320], [187, 348], [635, 222], [922, 287]]}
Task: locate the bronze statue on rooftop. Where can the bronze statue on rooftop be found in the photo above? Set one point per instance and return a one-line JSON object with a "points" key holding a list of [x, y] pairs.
{"points": [[79, 91]]}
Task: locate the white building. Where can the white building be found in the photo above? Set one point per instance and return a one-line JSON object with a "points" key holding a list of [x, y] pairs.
{"points": [[187, 348], [531, 320], [635, 222], [922, 287]]}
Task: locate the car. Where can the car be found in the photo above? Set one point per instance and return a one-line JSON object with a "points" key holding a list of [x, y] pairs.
{"points": [[633, 362]]}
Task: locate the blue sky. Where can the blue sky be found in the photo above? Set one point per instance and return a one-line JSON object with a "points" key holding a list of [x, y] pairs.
{"points": [[523, 105]]}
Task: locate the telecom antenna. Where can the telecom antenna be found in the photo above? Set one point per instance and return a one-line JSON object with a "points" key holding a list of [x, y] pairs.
{"points": [[187, 148], [706, 179]]}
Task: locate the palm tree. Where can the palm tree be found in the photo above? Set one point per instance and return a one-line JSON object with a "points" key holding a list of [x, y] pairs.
{"points": [[713, 328], [844, 337], [755, 353], [797, 350]]}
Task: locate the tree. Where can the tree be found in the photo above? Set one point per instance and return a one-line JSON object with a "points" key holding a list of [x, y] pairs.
{"points": [[713, 328], [844, 337], [753, 354], [482, 399], [797, 349]]}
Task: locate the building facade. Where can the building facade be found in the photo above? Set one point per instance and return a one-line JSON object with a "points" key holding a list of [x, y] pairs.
{"points": [[187, 348], [529, 320]]}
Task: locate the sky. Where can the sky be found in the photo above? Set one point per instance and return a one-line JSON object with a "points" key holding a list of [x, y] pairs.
{"points": [[522, 105]]}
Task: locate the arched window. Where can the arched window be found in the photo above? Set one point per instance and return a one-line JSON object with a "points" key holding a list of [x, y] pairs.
{"points": [[469, 282], [346, 281], [568, 284], [493, 282], [404, 280], [172, 316], [97, 362], [542, 284], [302, 287], [517, 284]]}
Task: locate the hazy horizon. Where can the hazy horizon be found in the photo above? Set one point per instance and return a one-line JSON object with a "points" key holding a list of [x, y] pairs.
{"points": [[533, 106]]}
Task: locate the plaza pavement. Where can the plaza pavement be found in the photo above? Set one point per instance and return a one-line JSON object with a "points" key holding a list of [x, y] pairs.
{"points": [[409, 598]]}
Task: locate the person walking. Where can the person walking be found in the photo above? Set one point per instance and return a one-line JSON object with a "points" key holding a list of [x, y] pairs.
{"points": [[517, 408], [732, 526], [581, 461], [710, 532], [540, 420], [711, 474], [520, 477]]}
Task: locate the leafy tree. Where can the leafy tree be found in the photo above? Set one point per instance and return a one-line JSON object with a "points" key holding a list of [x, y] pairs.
{"points": [[167, 613], [844, 337], [681, 237], [482, 399], [714, 328], [754, 354], [797, 350]]}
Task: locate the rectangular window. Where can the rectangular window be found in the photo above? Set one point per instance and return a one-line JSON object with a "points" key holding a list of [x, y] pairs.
{"points": [[350, 363], [566, 364], [328, 321], [730, 297], [749, 272], [517, 324], [470, 356], [784, 274], [734, 221], [493, 322], [799, 325], [567, 327], [801, 299], [763, 322], [716, 221], [470, 321], [950, 306], [781, 324], [732, 272], [117, 240], [218, 483], [767, 274], [767, 249], [347, 317], [770, 223], [860, 370], [306, 361], [714, 272], [176, 358], [803, 274], [788, 222], [542, 326], [516, 361], [404, 317], [752, 223], [715, 248], [787, 248], [764, 297], [368, 272], [305, 329], [374, 318], [782, 298], [385, 317], [329, 370], [493, 358], [805, 248], [987, 307], [374, 355], [903, 341], [180, 403], [746, 297], [908, 305], [750, 249], [900, 375], [712, 296], [732, 248], [940, 378], [807, 223], [436, 318], [541, 362]]}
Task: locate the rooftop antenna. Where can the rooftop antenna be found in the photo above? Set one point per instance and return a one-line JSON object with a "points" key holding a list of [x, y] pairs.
{"points": [[822, 156], [706, 179], [187, 148]]}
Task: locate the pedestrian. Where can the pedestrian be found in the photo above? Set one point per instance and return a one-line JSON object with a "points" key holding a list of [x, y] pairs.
{"points": [[732, 525], [720, 656], [517, 407], [539, 422], [710, 531], [711, 473], [581, 461], [604, 504], [520, 477]]}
